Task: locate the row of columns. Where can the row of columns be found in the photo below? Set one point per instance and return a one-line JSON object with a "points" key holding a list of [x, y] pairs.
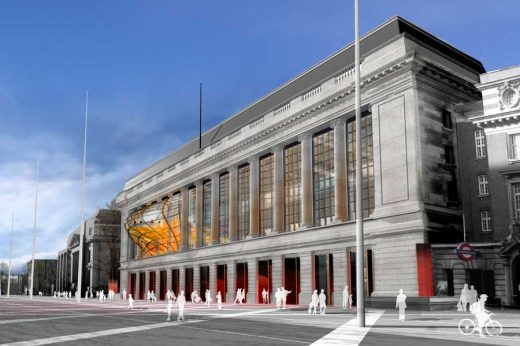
{"points": [[306, 270]]}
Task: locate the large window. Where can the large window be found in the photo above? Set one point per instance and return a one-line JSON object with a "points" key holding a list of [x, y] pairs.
{"points": [[483, 188], [323, 176], [514, 146], [480, 144], [175, 222], [515, 191], [367, 167], [485, 221], [223, 202], [446, 119], [243, 202], [206, 213], [266, 195], [192, 210], [292, 183]]}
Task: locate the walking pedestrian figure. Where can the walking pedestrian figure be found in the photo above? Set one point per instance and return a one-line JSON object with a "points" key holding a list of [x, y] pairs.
{"points": [[323, 302], [400, 304], [265, 295], [169, 308], [181, 302], [345, 297], [285, 293], [219, 300], [130, 301], [315, 301], [464, 297], [278, 298]]}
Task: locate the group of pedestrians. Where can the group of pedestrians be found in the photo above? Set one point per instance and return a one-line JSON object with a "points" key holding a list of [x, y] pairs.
{"points": [[477, 306]]}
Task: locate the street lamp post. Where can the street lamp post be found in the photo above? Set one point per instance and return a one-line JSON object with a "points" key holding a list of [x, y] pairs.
{"points": [[34, 228], [360, 280]]}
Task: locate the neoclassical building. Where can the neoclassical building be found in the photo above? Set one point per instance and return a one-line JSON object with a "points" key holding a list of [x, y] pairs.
{"points": [[269, 198], [101, 252]]}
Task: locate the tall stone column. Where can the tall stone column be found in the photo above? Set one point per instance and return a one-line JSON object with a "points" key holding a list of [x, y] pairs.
{"points": [[276, 276], [137, 285], [506, 267], [278, 191], [252, 268], [233, 203], [254, 197], [185, 224], [215, 212], [339, 262], [340, 170], [213, 279], [198, 214], [307, 195], [169, 280], [231, 281], [196, 280], [306, 273], [157, 284], [146, 283], [123, 256], [182, 282]]}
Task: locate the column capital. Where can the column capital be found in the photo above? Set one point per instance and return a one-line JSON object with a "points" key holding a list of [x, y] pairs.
{"points": [[198, 183], [304, 136], [253, 158], [233, 167], [337, 122], [278, 148]]}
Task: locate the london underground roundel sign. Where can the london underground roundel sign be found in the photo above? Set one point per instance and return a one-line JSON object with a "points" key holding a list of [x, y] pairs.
{"points": [[465, 252]]}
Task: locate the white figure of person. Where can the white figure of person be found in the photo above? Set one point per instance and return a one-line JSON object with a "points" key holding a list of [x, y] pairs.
{"points": [[209, 300], [323, 301], [278, 298], [86, 294], [400, 304], [285, 293], [169, 308], [238, 296], [124, 293], [55, 295], [148, 296], [91, 294], [350, 301], [345, 297], [181, 302], [130, 301], [464, 297], [173, 297], [219, 300], [77, 295], [315, 301], [473, 295], [168, 295], [243, 296], [264, 296], [481, 314], [70, 294]]}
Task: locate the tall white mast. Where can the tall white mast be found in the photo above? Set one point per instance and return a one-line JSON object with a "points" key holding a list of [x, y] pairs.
{"points": [[82, 223], [360, 251], [10, 255], [34, 227]]}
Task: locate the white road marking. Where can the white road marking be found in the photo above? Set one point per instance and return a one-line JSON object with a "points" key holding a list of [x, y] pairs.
{"points": [[349, 333], [74, 337], [249, 335]]}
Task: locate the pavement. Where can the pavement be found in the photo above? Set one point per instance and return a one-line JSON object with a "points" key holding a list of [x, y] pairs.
{"points": [[44, 321]]}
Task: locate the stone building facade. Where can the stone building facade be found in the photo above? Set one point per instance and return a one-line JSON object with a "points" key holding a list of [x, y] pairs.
{"points": [[269, 199], [101, 251]]}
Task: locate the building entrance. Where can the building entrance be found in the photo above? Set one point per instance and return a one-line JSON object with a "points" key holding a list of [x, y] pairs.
{"points": [[324, 275], [188, 285], [162, 285], [222, 281], [242, 278], [292, 279], [204, 282], [264, 278], [368, 276], [175, 281], [151, 282], [142, 285], [133, 278], [515, 271]]}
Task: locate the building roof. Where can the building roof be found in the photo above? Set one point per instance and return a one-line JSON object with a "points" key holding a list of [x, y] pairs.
{"points": [[332, 65]]}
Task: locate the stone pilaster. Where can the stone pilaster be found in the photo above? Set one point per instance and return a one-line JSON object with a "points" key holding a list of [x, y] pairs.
{"points": [[157, 284], [137, 285], [169, 280], [213, 279], [306, 279], [278, 191], [182, 281], [233, 203], [215, 212], [307, 195], [185, 224], [196, 280], [508, 282], [146, 283], [124, 282], [254, 197], [231, 281], [124, 239], [339, 262], [340, 170], [252, 267], [198, 214], [276, 275]]}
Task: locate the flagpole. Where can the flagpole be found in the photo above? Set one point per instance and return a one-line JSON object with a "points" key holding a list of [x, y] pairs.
{"points": [[360, 279], [82, 223], [34, 227], [10, 255], [200, 116]]}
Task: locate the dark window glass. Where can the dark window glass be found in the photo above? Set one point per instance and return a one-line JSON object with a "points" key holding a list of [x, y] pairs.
{"points": [[266, 195], [292, 183], [323, 176], [224, 208], [243, 202]]}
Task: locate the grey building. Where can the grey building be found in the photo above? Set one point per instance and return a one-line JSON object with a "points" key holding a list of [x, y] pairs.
{"points": [[45, 276], [101, 253], [269, 199]]}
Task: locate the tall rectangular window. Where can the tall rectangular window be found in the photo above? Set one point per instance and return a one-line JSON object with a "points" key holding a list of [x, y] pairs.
{"points": [[266, 195], [480, 144], [174, 237], [449, 155], [192, 207], [206, 213], [323, 176], [446, 119], [514, 146], [485, 221], [515, 191], [483, 188], [223, 202], [243, 202], [292, 183], [367, 167]]}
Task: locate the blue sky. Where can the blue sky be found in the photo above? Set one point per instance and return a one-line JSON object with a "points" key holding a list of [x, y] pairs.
{"points": [[142, 62]]}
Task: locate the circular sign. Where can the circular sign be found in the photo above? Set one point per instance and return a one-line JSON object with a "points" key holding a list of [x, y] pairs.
{"points": [[465, 252]]}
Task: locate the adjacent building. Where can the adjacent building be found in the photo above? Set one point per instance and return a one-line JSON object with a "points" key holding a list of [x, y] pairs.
{"points": [[269, 198], [45, 276], [101, 254]]}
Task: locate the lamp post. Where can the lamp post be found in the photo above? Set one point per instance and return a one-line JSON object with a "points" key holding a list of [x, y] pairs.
{"points": [[34, 228], [360, 280]]}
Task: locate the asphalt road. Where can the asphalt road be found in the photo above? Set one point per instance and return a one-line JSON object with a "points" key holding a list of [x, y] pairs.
{"points": [[48, 321]]}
